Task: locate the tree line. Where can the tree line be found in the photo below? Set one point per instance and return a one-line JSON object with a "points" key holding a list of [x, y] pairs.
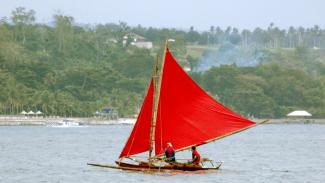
{"points": [[73, 70]]}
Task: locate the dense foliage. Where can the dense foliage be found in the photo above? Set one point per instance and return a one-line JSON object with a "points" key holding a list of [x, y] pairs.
{"points": [[69, 70]]}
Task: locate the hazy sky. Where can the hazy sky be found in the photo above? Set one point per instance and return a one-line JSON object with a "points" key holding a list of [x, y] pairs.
{"points": [[180, 13]]}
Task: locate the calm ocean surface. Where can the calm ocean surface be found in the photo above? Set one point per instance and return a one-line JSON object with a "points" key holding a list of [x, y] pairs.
{"points": [[267, 153]]}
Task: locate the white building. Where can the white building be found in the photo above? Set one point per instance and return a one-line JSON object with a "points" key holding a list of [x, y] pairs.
{"points": [[299, 114], [143, 44], [138, 41]]}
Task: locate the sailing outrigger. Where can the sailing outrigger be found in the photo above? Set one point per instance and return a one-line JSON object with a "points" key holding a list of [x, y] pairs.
{"points": [[176, 110]]}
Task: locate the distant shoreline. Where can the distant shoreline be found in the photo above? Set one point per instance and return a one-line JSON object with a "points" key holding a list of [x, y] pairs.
{"points": [[293, 121], [45, 121]]}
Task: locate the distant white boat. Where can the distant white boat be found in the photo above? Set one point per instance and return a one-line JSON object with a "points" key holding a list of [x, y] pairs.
{"points": [[66, 123], [129, 121]]}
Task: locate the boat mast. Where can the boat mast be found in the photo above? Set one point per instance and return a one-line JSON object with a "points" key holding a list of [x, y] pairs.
{"points": [[157, 83], [155, 76]]}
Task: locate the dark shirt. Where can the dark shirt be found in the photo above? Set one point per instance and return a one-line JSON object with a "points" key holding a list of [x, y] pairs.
{"points": [[170, 153]]}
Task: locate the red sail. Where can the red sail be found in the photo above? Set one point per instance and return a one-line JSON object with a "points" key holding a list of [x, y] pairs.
{"points": [[139, 139], [188, 116]]}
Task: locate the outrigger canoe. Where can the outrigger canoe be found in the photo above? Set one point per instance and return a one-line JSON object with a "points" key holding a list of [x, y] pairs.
{"points": [[176, 110], [143, 166]]}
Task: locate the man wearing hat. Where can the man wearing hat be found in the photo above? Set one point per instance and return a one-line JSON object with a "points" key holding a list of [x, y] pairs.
{"points": [[170, 153]]}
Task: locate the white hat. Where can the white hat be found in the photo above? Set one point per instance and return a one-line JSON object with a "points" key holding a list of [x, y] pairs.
{"points": [[169, 144]]}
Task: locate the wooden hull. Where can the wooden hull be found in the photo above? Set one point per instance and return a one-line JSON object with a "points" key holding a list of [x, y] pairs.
{"points": [[146, 167]]}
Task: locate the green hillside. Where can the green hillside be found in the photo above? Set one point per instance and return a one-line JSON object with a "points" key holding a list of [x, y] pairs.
{"points": [[73, 70]]}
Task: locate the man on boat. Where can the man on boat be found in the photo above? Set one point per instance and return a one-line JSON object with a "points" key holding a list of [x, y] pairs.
{"points": [[170, 153], [196, 158]]}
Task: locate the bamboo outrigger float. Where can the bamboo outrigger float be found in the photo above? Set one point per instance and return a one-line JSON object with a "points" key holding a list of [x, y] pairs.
{"points": [[176, 110]]}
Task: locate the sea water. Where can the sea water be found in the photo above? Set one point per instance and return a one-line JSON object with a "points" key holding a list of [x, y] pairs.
{"points": [[266, 153]]}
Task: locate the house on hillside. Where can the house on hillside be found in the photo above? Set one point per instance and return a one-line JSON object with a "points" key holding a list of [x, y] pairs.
{"points": [[137, 40]]}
